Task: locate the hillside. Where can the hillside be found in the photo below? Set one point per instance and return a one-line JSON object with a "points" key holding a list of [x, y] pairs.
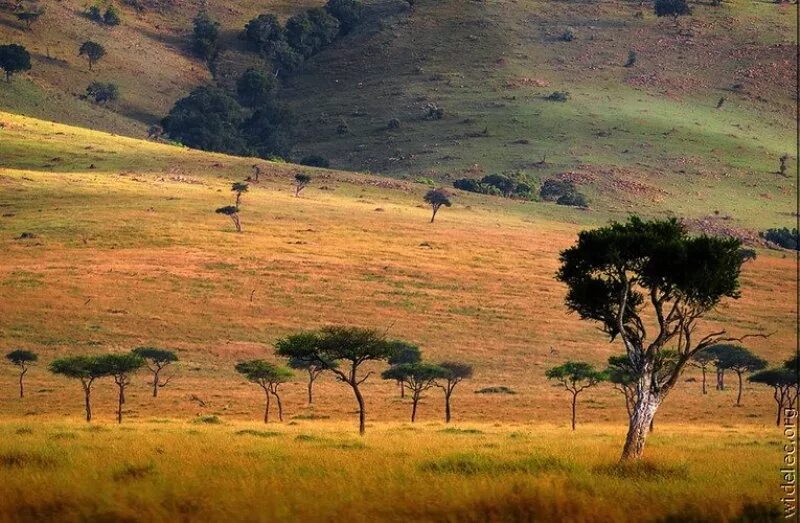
{"points": [[124, 249], [645, 139]]}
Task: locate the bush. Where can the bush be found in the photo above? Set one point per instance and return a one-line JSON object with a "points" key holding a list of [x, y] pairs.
{"points": [[568, 35], [254, 88], [468, 184], [557, 96], [394, 123], [111, 16], [496, 185], [263, 31], [434, 112], [551, 190], [315, 160], [102, 92], [268, 131], [573, 199], [786, 238], [285, 60], [342, 128], [205, 37], [347, 12]]}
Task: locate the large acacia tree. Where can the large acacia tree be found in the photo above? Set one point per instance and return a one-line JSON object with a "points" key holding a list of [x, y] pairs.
{"points": [[456, 372], [87, 369], [120, 367], [739, 360], [648, 284], [299, 345], [157, 360], [350, 348], [784, 383], [575, 377], [417, 378], [268, 376], [22, 359]]}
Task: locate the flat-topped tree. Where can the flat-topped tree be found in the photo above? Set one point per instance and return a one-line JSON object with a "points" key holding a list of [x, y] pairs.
{"points": [[455, 373], [784, 383], [741, 361], [22, 359], [156, 360], [268, 376], [232, 212], [239, 188], [120, 367], [87, 369], [14, 59], [617, 274], [436, 198], [350, 348], [702, 360], [92, 51], [301, 344], [417, 378], [301, 181], [403, 352], [575, 377]]}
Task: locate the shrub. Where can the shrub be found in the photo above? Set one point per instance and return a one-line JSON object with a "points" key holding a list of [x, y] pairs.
{"points": [[343, 128], [111, 16], [102, 92], [205, 37], [786, 238], [434, 112], [573, 199], [568, 35], [285, 59], [315, 160], [557, 96], [501, 389], [394, 123], [263, 31], [254, 87], [631, 59], [468, 184], [347, 12], [551, 190], [496, 185]]}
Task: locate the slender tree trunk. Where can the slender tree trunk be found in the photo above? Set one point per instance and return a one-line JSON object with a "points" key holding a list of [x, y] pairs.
{"points": [[266, 409], [120, 403], [362, 414], [310, 387], [414, 401], [739, 396], [574, 408], [447, 406], [155, 383], [722, 379], [644, 410], [21, 385], [703, 369], [402, 388], [435, 210], [652, 422], [779, 400], [87, 392], [280, 406]]}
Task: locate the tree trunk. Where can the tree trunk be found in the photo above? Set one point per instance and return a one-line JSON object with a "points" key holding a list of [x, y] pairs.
{"points": [[402, 388], [574, 407], [704, 380], [280, 406], [722, 379], [643, 412], [414, 401], [779, 400], [120, 403], [266, 409], [435, 210], [447, 406], [155, 383], [310, 388], [21, 385], [87, 402], [739, 396], [362, 414]]}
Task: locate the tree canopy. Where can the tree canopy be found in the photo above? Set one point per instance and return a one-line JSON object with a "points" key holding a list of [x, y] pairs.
{"points": [[14, 58]]}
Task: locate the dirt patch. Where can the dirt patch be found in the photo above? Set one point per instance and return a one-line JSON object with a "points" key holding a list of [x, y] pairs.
{"points": [[719, 226]]}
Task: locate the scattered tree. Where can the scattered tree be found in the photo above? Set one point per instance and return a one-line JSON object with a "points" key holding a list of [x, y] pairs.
{"points": [[575, 376], [403, 352], [740, 360], [702, 360], [783, 381], [268, 376], [351, 348], [87, 369], [673, 8], [300, 345], [455, 373], [30, 17], [436, 198], [92, 51], [301, 180], [417, 377], [254, 87], [120, 367], [22, 359], [238, 188], [157, 360], [615, 272], [205, 37], [14, 58], [102, 92], [231, 212]]}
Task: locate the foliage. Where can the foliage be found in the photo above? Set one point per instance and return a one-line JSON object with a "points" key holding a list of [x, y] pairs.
{"points": [[22, 357], [785, 237], [263, 372], [30, 16], [557, 96], [437, 198], [315, 160], [205, 37], [79, 367], [102, 92], [254, 88], [404, 352], [673, 8], [268, 131], [285, 59], [93, 52], [156, 355], [347, 12], [263, 31], [562, 192], [575, 375], [14, 58], [515, 186]]}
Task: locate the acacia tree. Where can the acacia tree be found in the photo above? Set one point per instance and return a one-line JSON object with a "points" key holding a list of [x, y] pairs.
{"points": [[156, 360], [238, 188], [417, 378], [702, 360], [301, 180], [87, 369], [22, 359], [120, 367], [616, 272], [300, 344], [232, 212], [621, 377], [784, 383], [350, 348], [575, 377], [436, 198], [268, 376], [93, 52], [14, 58], [403, 352], [741, 361], [455, 373]]}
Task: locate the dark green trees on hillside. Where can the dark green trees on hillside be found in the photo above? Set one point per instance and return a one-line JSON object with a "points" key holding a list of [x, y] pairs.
{"points": [[623, 274], [157, 360], [254, 88], [268, 376], [102, 92], [92, 51], [268, 131], [209, 119], [348, 12], [14, 59], [575, 377], [22, 359], [205, 37]]}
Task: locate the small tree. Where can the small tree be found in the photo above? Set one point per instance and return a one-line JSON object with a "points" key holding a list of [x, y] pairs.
{"points": [[301, 344], [455, 373], [741, 361], [205, 37], [102, 92], [673, 8], [417, 378], [29, 17], [156, 360], [268, 376], [22, 359], [575, 376], [702, 360], [120, 367], [87, 369], [232, 212], [301, 180], [436, 198], [92, 51], [351, 348], [239, 188], [784, 383], [14, 59], [403, 352]]}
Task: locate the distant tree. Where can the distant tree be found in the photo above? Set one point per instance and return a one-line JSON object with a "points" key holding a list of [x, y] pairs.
{"points": [[22, 359], [111, 16], [741, 361], [350, 348], [232, 212], [315, 160], [30, 17], [120, 367], [348, 12], [417, 378], [403, 352], [783, 237], [285, 59], [268, 131], [673, 8], [14, 58], [102, 92], [436, 198], [157, 360], [702, 360], [87, 369], [784, 383], [256, 173], [239, 188], [631, 61], [92, 51], [268, 376], [301, 344], [301, 180], [575, 376], [263, 31], [455, 373], [208, 119], [205, 37], [615, 272], [504, 184], [254, 87], [324, 28]]}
